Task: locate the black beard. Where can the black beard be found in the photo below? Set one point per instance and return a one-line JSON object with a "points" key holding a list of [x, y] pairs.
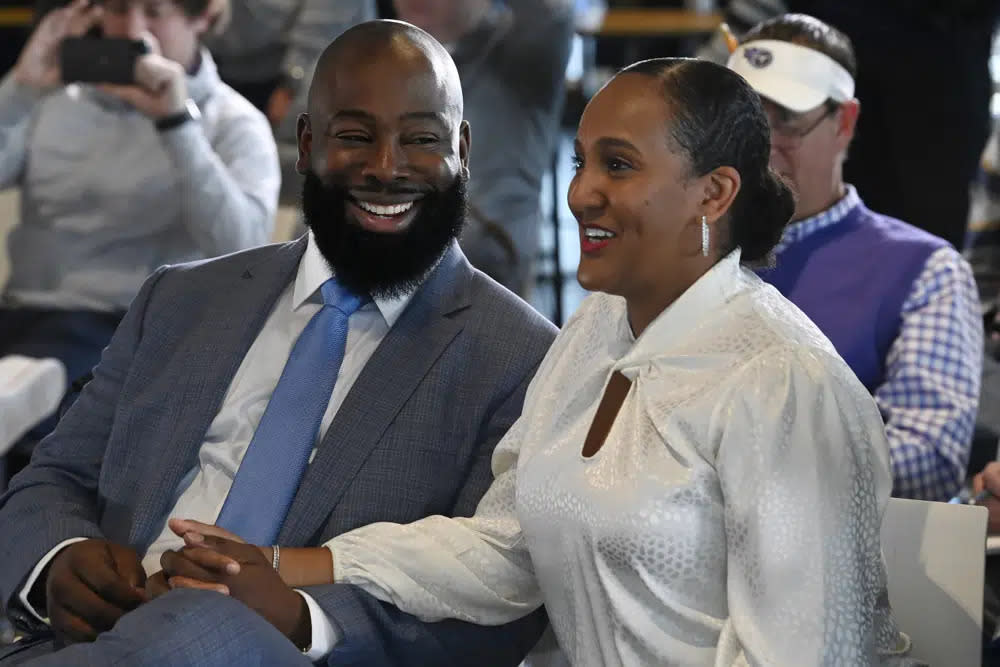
{"points": [[382, 265]]}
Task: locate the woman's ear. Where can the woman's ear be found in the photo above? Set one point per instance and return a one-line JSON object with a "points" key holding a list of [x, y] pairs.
{"points": [[721, 186]]}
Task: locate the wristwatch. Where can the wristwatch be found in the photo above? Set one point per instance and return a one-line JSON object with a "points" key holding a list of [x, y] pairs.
{"points": [[190, 112]]}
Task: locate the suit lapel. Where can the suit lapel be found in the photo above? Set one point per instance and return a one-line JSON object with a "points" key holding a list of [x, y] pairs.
{"points": [[216, 348], [402, 360]]}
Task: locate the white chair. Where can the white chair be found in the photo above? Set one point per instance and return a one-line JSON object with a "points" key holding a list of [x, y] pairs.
{"points": [[30, 391], [935, 559]]}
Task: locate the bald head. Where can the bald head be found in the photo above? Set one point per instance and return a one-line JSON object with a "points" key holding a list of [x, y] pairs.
{"points": [[385, 117], [392, 44]]}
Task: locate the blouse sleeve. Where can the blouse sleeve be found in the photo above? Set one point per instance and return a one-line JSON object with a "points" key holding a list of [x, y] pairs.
{"points": [[474, 569], [803, 466]]}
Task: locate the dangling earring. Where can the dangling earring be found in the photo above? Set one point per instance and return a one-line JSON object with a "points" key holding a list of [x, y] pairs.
{"points": [[704, 236]]}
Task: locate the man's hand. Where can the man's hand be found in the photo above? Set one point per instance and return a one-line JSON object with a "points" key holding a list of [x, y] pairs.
{"points": [[181, 527], [90, 585], [247, 573], [160, 90], [989, 479], [38, 64]]}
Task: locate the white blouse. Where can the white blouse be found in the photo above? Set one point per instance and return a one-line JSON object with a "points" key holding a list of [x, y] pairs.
{"points": [[731, 517]]}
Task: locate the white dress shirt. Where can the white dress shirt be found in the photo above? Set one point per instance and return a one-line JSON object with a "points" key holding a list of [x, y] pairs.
{"points": [[731, 517], [202, 492]]}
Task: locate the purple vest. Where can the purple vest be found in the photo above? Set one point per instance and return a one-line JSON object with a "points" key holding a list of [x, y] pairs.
{"points": [[852, 278]]}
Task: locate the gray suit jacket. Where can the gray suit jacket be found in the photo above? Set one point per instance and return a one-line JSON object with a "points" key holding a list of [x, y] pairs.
{"points": [[413, 437]]}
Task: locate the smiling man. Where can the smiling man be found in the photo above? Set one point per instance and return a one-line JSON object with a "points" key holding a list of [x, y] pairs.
{"points": [[899, 304], [290, 393], [511, 56], [385, 174]]}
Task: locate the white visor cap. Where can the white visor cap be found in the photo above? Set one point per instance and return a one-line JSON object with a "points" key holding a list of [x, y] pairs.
{"points": [[794, 76]]}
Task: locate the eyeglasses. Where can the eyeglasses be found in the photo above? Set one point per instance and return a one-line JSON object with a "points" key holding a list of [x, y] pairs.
{"points": [[786, 129]]}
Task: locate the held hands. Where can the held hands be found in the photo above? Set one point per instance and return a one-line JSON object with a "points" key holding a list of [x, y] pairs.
{"points": [[989, 479], [38, 64], [90, 585], [212, 561]]}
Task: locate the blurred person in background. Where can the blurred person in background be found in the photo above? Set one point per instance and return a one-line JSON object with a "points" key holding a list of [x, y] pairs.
{"points": [[926, 119], [899, 304], [269, 48], [118, 180], [267, 53], [512, 58]]}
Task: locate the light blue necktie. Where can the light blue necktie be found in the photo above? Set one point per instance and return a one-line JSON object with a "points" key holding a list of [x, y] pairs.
{"points": [[278, 454]]}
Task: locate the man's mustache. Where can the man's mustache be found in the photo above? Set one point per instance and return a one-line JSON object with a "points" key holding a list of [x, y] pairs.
{"points": [[374, 186]]}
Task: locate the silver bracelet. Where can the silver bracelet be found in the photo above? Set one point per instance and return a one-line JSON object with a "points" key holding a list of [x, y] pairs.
{"points": [[275, 556]]}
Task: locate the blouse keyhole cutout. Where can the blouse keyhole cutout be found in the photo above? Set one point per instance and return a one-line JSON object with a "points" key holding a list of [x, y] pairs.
{"points": [[607, 411]]}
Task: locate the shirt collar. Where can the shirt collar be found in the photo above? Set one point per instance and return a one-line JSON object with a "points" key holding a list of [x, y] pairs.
{"points": [[716, 287], [314, 271], [204, 81], [797, 231]]}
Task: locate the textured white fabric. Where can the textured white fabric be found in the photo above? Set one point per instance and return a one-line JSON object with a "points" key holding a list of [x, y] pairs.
{"points": [[731, 517]]}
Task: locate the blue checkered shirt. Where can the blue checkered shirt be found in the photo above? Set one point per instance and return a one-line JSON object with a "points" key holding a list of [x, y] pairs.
{"points": [[931, 390]]}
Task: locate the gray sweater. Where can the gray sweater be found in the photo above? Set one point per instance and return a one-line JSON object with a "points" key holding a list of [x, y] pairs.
{"points": [[106, 199]]}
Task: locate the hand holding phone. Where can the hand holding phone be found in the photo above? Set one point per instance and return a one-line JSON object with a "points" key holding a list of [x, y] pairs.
{"points": [[39, 65], [100, 60], [160, 88]]}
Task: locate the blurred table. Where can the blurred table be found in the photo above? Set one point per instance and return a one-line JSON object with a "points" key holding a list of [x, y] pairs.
{"points": [[646, 22]]}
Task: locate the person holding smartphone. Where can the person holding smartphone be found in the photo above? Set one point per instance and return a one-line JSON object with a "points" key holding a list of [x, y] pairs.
{"points": [[119, 179]]}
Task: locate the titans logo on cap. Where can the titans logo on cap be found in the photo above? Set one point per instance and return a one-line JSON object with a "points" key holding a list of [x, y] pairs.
{"points": [[758, 57]]}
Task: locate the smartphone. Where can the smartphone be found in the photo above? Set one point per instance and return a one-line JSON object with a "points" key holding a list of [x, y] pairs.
{"points": [[104, 60]]}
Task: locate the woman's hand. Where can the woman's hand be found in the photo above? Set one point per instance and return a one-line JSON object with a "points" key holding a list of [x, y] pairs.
{"points": [[182, 526], [246, 573], [205, 553]]}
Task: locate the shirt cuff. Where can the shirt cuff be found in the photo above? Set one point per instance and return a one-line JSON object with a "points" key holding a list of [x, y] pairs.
{"points": [[325, 635], [30, 583]]}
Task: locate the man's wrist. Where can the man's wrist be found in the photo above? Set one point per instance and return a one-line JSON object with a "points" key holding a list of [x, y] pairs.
{"points": [[189, 113], [301, 634]]}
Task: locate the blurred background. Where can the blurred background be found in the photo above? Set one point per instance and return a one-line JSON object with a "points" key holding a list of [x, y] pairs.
{"points": [[608, 35]]}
